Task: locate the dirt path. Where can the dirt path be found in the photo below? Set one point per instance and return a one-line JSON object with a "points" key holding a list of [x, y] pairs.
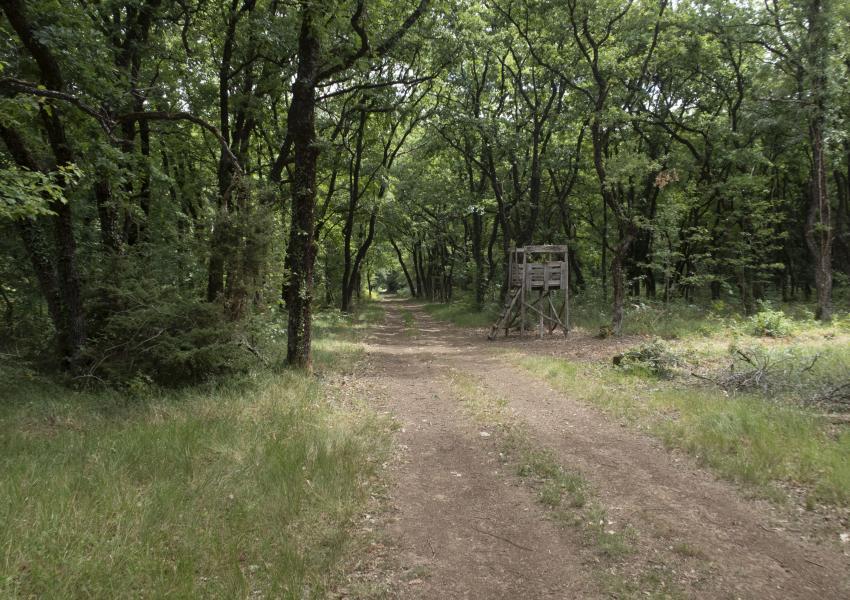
{"points": [[465, 528]]}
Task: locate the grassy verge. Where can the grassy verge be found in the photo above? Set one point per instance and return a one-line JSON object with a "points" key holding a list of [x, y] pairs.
{"points": [[336, 347], [745, 437], [463, 313], [248, 488], [763, 438]]}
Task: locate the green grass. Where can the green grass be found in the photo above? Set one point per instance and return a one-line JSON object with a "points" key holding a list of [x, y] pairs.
{"points": [[248, 488], [462, 313], [335, 324], [744, 437], [336, 346], [655, 583], [673, 320], [668, 321], [409, 320]]}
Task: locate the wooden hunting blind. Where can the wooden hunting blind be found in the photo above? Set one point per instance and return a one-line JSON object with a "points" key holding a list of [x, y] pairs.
{"points": [[539, 289]]}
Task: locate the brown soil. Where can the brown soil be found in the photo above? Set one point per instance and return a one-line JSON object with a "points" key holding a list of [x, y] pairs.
{"points": [[461, 524]]}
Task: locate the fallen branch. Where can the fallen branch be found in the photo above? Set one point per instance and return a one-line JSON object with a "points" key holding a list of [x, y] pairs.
{"points": [[504, 539]]}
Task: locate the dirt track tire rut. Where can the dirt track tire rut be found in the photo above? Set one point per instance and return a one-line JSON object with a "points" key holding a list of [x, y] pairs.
{"points": [[466, 529]]}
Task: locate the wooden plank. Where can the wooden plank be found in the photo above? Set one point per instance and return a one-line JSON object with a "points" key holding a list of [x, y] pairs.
{"points": [[516, 274], [540, 324], [566, 287], [504, 317], [544, 249], [522, 299]]}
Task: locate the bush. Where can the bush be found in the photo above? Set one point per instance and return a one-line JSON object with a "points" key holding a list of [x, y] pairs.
{"points": [[163, 337], [771, 323], [655, 357]]}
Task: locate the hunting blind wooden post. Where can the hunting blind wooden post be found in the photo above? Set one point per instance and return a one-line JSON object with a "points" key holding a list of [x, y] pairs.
{"points": [[546, 271]]}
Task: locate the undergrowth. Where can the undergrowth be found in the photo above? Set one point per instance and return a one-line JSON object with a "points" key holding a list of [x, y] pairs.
{"points": [[672, 320], [248, 487]]}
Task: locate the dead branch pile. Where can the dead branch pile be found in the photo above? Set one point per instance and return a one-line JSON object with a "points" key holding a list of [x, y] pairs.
{"points": [[785, 374]]}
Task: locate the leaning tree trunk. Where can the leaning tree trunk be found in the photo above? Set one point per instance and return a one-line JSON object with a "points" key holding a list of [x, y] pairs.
{"points": [[353, 283], [411, 286], [349, 272]]}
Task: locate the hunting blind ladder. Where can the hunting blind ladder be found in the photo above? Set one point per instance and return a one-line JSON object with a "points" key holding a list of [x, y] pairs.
{"points": [[539, 287]]}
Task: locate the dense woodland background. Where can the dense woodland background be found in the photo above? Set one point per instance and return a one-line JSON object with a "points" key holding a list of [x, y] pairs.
{"points": [[176, 177]]}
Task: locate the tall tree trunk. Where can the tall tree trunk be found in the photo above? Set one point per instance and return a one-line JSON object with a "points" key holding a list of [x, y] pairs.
{"points": [[68, 277], [348, 272], [301, 125], [220, 235], [478, 257], [39, 250], [619, 289], [603, 268], [422, 285], [107, 211], [70, 285], [819, 233], [491, 260], [842, 216]]}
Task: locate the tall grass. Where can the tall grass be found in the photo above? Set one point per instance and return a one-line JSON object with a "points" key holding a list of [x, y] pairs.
{"points": [[591, 314], [463, 313], [247, 488]]}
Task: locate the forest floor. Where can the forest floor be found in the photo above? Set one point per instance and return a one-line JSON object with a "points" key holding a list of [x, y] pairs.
{"points": [[504, 486]]}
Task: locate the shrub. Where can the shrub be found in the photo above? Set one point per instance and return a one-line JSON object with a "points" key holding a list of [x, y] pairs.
{"points": [[771, 323], [163, 337], [655, 357]]}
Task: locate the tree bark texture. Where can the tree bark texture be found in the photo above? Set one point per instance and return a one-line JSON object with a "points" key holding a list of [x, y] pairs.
{"points": [[302, 248]]}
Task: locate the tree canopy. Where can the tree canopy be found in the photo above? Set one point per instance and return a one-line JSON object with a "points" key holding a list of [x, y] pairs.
{"points": [[172, 173]]}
